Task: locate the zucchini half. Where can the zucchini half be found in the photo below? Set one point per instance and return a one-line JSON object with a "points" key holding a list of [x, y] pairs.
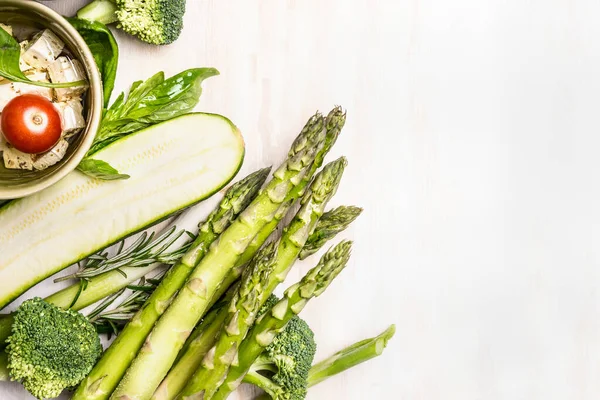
{"points": [[172, 165]]}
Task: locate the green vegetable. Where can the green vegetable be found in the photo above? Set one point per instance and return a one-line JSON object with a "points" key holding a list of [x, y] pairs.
{"points": [[335, 121], [241, 313], [50, 349], [104, 48], [10, 52], [281, 371], [150, 102], [350, 357], [173, 165], [103, 11], [106, 374], [166, 339], [293, 363], [329, 225], [153, 21]]}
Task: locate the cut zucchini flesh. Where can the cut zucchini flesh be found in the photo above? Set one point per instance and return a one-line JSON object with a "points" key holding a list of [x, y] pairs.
{"points": [[172, 165]]}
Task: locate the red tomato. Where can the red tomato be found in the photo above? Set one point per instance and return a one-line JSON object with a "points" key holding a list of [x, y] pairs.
{"points": [[31, 123]]}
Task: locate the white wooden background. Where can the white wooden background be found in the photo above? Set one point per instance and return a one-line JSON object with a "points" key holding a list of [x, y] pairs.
{"points": [[472, 138]]}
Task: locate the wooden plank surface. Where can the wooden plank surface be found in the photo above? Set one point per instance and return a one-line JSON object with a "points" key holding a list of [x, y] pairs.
{"points": [[472, 137]]}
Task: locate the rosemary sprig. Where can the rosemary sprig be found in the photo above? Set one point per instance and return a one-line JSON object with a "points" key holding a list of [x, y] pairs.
{"points": [[145, 250], [113, 320]]}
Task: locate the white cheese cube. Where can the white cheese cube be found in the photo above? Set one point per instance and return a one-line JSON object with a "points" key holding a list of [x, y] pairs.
{"points": [[23, 88], [66, 70], [71, 113], [7, 93], [7, 28], [22, 64], [43, 49], [51, 157], [14, 159]]}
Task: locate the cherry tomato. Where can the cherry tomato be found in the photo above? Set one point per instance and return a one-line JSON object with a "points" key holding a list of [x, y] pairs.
{"points": [[31, 123]]}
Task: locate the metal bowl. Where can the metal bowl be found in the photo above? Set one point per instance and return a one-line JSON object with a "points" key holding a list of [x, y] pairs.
{"points": [[20, 183]]}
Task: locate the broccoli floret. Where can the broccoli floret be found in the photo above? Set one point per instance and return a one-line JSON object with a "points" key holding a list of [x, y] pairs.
{"points": [[153, 21], [282, 369], [50, 349]]}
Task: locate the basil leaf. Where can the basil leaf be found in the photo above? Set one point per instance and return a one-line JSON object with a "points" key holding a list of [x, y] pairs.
{"points": [[104, 48], [149, 102], [140, 89], [175, 96], [100, 169], [10, 51]]}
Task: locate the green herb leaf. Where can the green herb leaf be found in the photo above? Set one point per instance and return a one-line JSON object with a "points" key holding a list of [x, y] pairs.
{"points": [[175, 96], [10, 51], [104, 48], [152, 101], [100, 169]]}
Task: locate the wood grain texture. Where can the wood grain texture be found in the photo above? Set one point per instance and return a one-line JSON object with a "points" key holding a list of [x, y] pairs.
{"points": [[472, 141]]}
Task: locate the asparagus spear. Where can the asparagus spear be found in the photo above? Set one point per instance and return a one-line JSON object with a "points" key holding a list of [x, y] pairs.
{"points": [[240, 314], [105, 376], [334, 123], [350, 357], [293, 239], [295, 298], [330, 224], [170, 332]]}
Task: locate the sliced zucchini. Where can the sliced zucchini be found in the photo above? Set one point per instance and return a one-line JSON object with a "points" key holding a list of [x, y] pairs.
{"points": [[172, 165]]}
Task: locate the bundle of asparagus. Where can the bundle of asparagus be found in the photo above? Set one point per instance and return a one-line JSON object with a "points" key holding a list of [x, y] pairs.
{"points": [[211, 321]]}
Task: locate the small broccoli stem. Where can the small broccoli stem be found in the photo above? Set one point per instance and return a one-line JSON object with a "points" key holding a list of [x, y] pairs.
{"points": [[263, 363], [264, 383], [103, 11], [350, 357]]}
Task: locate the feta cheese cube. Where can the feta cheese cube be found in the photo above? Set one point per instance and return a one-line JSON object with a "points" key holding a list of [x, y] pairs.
{"points": [[66, 70], [7, 28], [71, 113], [14, 159], [51, 157], [22, 64], [7, 93], [43, 49], [23, 88]]}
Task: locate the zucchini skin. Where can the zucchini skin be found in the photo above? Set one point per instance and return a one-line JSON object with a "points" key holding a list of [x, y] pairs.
{"points": [[169, 210]]}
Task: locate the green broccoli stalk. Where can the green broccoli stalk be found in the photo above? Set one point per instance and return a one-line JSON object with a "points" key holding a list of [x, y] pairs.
{"points": [[153, 21], [350, 357], [50, 349]]}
